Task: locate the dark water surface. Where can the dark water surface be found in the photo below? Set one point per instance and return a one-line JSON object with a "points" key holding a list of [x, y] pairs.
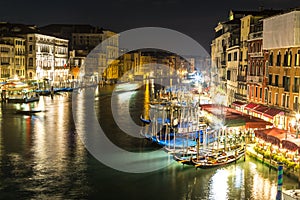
{"points": [[42, 157]]}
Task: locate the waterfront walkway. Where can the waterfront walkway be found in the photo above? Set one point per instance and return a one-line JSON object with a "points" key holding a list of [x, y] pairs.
{"points": [[295, 174]]}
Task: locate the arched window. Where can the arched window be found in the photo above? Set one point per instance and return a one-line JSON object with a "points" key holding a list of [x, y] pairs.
{"points": [[278, 60], [285, 59], [271, 59], [289, 62]]}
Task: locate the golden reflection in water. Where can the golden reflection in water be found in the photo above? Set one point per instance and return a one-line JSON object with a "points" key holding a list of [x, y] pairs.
{"points": [[146, 100], [51, 145], [219, 185]]}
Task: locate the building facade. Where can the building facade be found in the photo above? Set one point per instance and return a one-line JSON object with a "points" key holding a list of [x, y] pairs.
{"points": [[47, 57], [283, 63]]}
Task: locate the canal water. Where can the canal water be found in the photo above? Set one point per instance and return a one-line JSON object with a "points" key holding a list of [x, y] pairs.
{"points": [[43, 157]]}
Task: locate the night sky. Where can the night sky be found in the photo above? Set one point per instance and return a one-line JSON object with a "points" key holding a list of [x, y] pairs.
{"points": [[196, 18]]}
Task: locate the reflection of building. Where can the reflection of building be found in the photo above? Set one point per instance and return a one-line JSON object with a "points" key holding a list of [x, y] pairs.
{"points": [[46, 57]]}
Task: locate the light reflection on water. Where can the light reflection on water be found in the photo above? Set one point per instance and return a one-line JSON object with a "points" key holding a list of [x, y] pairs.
{"points": [[42, 157]]}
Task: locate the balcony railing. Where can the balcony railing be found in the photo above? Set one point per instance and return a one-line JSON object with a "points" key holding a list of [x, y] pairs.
{"points": [[256, 54], [255, 35], [254, 79], [240, 96], [241, 78]]}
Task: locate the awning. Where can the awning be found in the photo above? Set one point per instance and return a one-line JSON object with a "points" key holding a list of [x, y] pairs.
{"points": [[289, 145], [260, 109], [272, 112], [272, 135], [238, 103], [251, 106]]}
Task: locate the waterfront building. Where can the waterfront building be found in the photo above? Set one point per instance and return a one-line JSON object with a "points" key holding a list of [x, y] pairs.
{"points": [[17, 64], [83, 38], [47, 57], [6, 59], [232, 63], [281, 38]]}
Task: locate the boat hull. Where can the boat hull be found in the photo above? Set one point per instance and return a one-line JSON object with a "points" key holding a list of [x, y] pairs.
{"points": [[33, 99]]}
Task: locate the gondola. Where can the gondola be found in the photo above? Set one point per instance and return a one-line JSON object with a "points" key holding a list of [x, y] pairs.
{"points": [[216, 161], [146, 121], [27, 112]]}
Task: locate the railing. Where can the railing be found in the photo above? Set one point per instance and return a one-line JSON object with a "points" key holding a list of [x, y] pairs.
{"points": [[256, 35], [255, 79], [256, 54], [240, 96], [241, 78]]}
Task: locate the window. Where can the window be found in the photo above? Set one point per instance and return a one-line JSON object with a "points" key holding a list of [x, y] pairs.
{"points": [[270, 79], [283, 100], [287, 101], [276, 80], [271, 59], [285, 59], [287, 84], [266, 95], [270, 97], [248, 91], [276, 98], [241, 56], [229, 57], [296, 104], [297, 57], [256, 91], [30, 48], [260, 93], [296, 85], [283, 81], [278, 60], [289, 61], [235, 56], [228, 75], [30, 62]]}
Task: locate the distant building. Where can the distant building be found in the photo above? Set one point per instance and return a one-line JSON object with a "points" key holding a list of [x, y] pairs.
{"points": [[6, 60], [82, 40], [47, 57]]}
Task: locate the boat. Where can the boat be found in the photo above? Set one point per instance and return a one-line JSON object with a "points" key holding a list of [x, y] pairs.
{"points": [[291, 194], [21, 95], [146, 121], [27, 112], [128, 86], [222, 159]]}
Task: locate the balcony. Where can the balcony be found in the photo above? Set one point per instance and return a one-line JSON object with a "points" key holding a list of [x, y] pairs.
{"points": [[240, 97], [241, 78], [255, 35], [5, 63], [255, 79], [256, 54]]}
